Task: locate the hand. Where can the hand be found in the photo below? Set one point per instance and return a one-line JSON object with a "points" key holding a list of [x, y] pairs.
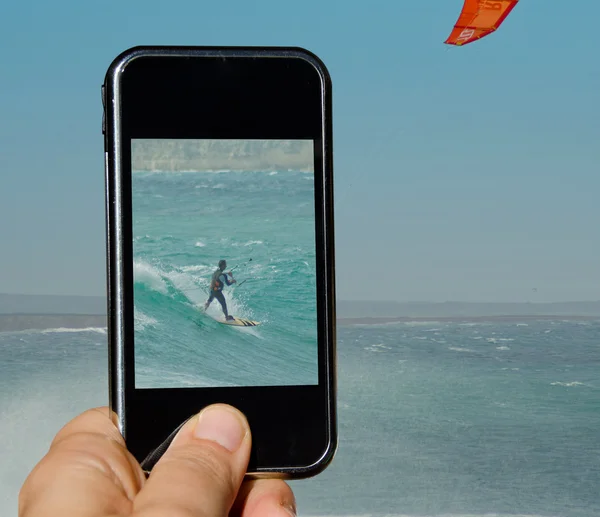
{"points": [[233, 280], [88, 472]]}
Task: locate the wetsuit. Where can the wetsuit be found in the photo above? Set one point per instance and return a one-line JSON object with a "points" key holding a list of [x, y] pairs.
{"points": [[218, 281]]}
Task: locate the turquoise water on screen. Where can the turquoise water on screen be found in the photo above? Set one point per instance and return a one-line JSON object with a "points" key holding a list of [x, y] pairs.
{"points": [[261, 223]]}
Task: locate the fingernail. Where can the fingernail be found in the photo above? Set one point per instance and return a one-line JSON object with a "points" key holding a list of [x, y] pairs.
{"points": [[220, 425], [282, 510], [291, 510]]}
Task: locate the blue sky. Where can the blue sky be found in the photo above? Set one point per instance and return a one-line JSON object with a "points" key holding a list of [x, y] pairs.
{"points": [[461, 173]]}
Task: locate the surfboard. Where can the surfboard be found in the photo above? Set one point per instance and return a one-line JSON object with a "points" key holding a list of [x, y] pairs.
{"points": [[240, 322]]}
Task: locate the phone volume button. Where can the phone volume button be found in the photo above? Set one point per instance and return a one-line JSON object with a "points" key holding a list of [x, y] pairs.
{"points": [[103, 95]]}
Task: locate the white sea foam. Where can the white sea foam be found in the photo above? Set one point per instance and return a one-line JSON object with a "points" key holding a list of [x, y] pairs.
{"points": [[502, 348], [568, 384], [372, 349], [459, 349], [189, 285], [248, 243], [61, 330], [149, 275], [253, 331], [57, 330], [199, 244], [197, 268], [141, 320], [380, 347]]}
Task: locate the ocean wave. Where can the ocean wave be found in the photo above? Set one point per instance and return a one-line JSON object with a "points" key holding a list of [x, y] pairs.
{"points": [[380, 347], [460, 349], [149, 275], [141, 320], [569, 384], [502, 348], [198, 268], [143, 237], [247, 243], [199, 244], [60, 330]]}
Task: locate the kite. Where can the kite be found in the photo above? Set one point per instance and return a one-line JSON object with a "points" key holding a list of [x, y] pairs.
{"points": [[478, 19]]}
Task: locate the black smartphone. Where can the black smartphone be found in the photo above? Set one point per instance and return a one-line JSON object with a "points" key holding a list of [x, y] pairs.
{"points": [[219, 200]]}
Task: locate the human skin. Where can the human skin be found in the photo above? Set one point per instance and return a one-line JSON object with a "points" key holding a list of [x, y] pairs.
{"points": [[88, 472]]}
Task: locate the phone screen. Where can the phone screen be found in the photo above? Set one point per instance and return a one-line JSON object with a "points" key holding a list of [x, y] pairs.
{"points": [[224, 263]]}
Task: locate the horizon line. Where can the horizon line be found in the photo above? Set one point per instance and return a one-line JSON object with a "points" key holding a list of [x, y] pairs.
{"points": [[413, 302]]}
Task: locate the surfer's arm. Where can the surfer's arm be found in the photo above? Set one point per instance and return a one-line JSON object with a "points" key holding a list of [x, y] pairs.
{"points": [[225, 280]]}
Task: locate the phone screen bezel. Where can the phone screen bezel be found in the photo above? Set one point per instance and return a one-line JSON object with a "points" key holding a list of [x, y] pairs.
{"points": [[221, 93]]}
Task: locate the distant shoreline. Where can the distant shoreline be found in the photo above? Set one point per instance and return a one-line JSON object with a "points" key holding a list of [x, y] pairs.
{"points": [[521, 318], [222, 171], [22, 322]]}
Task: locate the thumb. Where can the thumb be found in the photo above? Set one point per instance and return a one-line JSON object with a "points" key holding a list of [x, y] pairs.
{"points": [[203, 468]]}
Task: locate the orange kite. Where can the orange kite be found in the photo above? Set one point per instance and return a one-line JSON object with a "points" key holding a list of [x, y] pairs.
{"points": [[478, 19]]}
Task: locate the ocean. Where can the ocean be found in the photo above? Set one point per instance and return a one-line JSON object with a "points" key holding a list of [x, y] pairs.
{"points": [[262, 224], [436, 419]]}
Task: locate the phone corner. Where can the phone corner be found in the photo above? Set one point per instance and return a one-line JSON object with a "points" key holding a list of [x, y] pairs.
{"points": [[315, 61], [122, 60], [322, 463]]}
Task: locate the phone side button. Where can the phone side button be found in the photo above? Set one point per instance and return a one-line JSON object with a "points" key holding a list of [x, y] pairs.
{"points": [[103, 94]]}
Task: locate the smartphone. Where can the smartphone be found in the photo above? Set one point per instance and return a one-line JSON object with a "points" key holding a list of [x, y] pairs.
{"points": [[220, 248]]}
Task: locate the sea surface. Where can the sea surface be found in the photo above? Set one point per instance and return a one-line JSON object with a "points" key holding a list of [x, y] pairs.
{"points": [[436, 419], [262, 224]]}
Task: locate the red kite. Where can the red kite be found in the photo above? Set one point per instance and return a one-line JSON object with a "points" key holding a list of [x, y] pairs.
{"points": [[478, 19]]}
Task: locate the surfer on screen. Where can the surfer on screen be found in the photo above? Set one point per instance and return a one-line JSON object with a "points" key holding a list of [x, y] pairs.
{"points": [[218, 281]]}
